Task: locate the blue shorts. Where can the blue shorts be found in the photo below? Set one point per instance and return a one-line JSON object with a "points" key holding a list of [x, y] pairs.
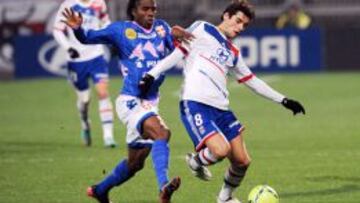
{"points": [[202, 121], [80, 72]]}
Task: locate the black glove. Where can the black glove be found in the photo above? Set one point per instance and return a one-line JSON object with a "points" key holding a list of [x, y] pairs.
{"points": [[293, 105], [145, 84], [73, 53]]}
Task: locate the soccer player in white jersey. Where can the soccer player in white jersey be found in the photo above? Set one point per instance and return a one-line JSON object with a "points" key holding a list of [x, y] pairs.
{"points": [[85, 62], [213, 128]]}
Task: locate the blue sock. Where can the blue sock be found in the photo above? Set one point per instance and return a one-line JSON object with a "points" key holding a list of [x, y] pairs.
{"points": [[160, 157], [119, 175]]}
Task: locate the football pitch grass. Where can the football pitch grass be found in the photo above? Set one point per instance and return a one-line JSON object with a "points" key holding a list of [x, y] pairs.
{"points": [[313, 158]]}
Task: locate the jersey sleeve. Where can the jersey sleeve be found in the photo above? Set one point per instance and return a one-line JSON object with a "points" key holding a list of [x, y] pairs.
{"points": [[244, 75], [194, 29], [169, 39], [167, 63], [103, 36], [58, 24], [194, 26], [59, 27], [241, 70]]}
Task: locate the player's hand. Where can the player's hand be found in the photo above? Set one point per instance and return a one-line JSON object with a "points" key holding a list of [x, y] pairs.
{"points": [[73, 53], [145, 84], [293, 105], [72, 19], [181, 34]]}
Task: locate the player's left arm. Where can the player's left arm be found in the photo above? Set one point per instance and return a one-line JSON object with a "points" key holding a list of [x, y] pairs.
{"points": [[244, 75]]}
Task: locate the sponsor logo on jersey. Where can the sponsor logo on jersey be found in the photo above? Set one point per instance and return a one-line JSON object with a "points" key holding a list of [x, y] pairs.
{"points": [[130, 33], [147, 36], [222, 56]]}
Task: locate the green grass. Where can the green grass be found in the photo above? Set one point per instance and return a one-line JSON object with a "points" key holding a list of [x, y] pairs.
{"points": [[312, 158]]}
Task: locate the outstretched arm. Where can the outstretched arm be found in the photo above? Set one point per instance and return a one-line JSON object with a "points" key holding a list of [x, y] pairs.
{"points": [[60, 36], [263, 89], [74, 21], [244, 75], [167, 63]]}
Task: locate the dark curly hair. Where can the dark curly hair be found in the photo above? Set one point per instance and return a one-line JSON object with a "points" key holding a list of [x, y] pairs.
{"points": [[240, 5], [132, 4]]}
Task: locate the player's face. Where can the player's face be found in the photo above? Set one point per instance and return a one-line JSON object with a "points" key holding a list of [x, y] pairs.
{"points": [[144, 13], [235, 24]]}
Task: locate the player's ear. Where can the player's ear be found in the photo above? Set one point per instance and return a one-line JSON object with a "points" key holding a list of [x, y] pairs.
{"points": [[133, 12], [226, 16]]}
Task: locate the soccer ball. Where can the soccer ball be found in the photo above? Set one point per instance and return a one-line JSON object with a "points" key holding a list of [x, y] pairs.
{"points": [[263, 194]]}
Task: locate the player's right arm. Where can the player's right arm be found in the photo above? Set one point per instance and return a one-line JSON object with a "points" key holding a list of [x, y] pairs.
{"points": [[244, 75], [164, 65], [181, 50], [74, 21]]}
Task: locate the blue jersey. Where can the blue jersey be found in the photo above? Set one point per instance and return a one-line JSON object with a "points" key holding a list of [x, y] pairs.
{"points": [[139, 50]]}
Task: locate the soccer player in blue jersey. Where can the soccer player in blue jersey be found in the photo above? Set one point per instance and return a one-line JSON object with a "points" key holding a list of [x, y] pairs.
{"points": [[85, 62], [213, 128], [142, 42]]}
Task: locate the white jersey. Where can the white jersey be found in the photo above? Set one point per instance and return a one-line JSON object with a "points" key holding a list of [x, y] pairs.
{"points": [[209, 59], [95, 17]]}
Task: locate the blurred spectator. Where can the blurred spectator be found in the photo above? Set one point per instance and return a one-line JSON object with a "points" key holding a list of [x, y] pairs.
{"points": [[11, 25], [294, 16]]}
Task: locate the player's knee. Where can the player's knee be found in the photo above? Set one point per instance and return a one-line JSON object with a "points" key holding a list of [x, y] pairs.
{"points": [[166, 134], [83, 96], [135, 166], [160, 134], [163, 134], [220, 152], [245, 162], [102, 95]]}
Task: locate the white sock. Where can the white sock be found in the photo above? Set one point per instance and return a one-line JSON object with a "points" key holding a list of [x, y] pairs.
{"points": [[206, 157], [82, 104], [203, 158], [106, 117], [226, 192], [194, 164], [233, 177]]}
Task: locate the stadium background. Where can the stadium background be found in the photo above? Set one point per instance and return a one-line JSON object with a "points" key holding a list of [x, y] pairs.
{"points": [[312, 158]]}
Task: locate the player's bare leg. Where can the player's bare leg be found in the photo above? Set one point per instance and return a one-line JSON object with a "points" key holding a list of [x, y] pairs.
{"points": [[122, 173], [155, 129], [106, 113], [240, 161], [82, 104], [216, 149]]}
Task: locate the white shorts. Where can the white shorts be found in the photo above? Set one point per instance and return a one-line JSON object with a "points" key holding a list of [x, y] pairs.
{"points": [[132, 112]]}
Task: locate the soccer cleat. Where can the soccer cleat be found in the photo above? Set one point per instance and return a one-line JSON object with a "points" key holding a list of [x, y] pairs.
{"points": [[91, 192], [230, 200], [168, 189], [110, 143], [201, 172], [86, 137]]}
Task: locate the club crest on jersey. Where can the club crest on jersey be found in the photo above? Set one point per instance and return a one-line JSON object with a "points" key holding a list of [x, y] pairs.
{"points": [[160, 30], [130, 33], [222, 55]]}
